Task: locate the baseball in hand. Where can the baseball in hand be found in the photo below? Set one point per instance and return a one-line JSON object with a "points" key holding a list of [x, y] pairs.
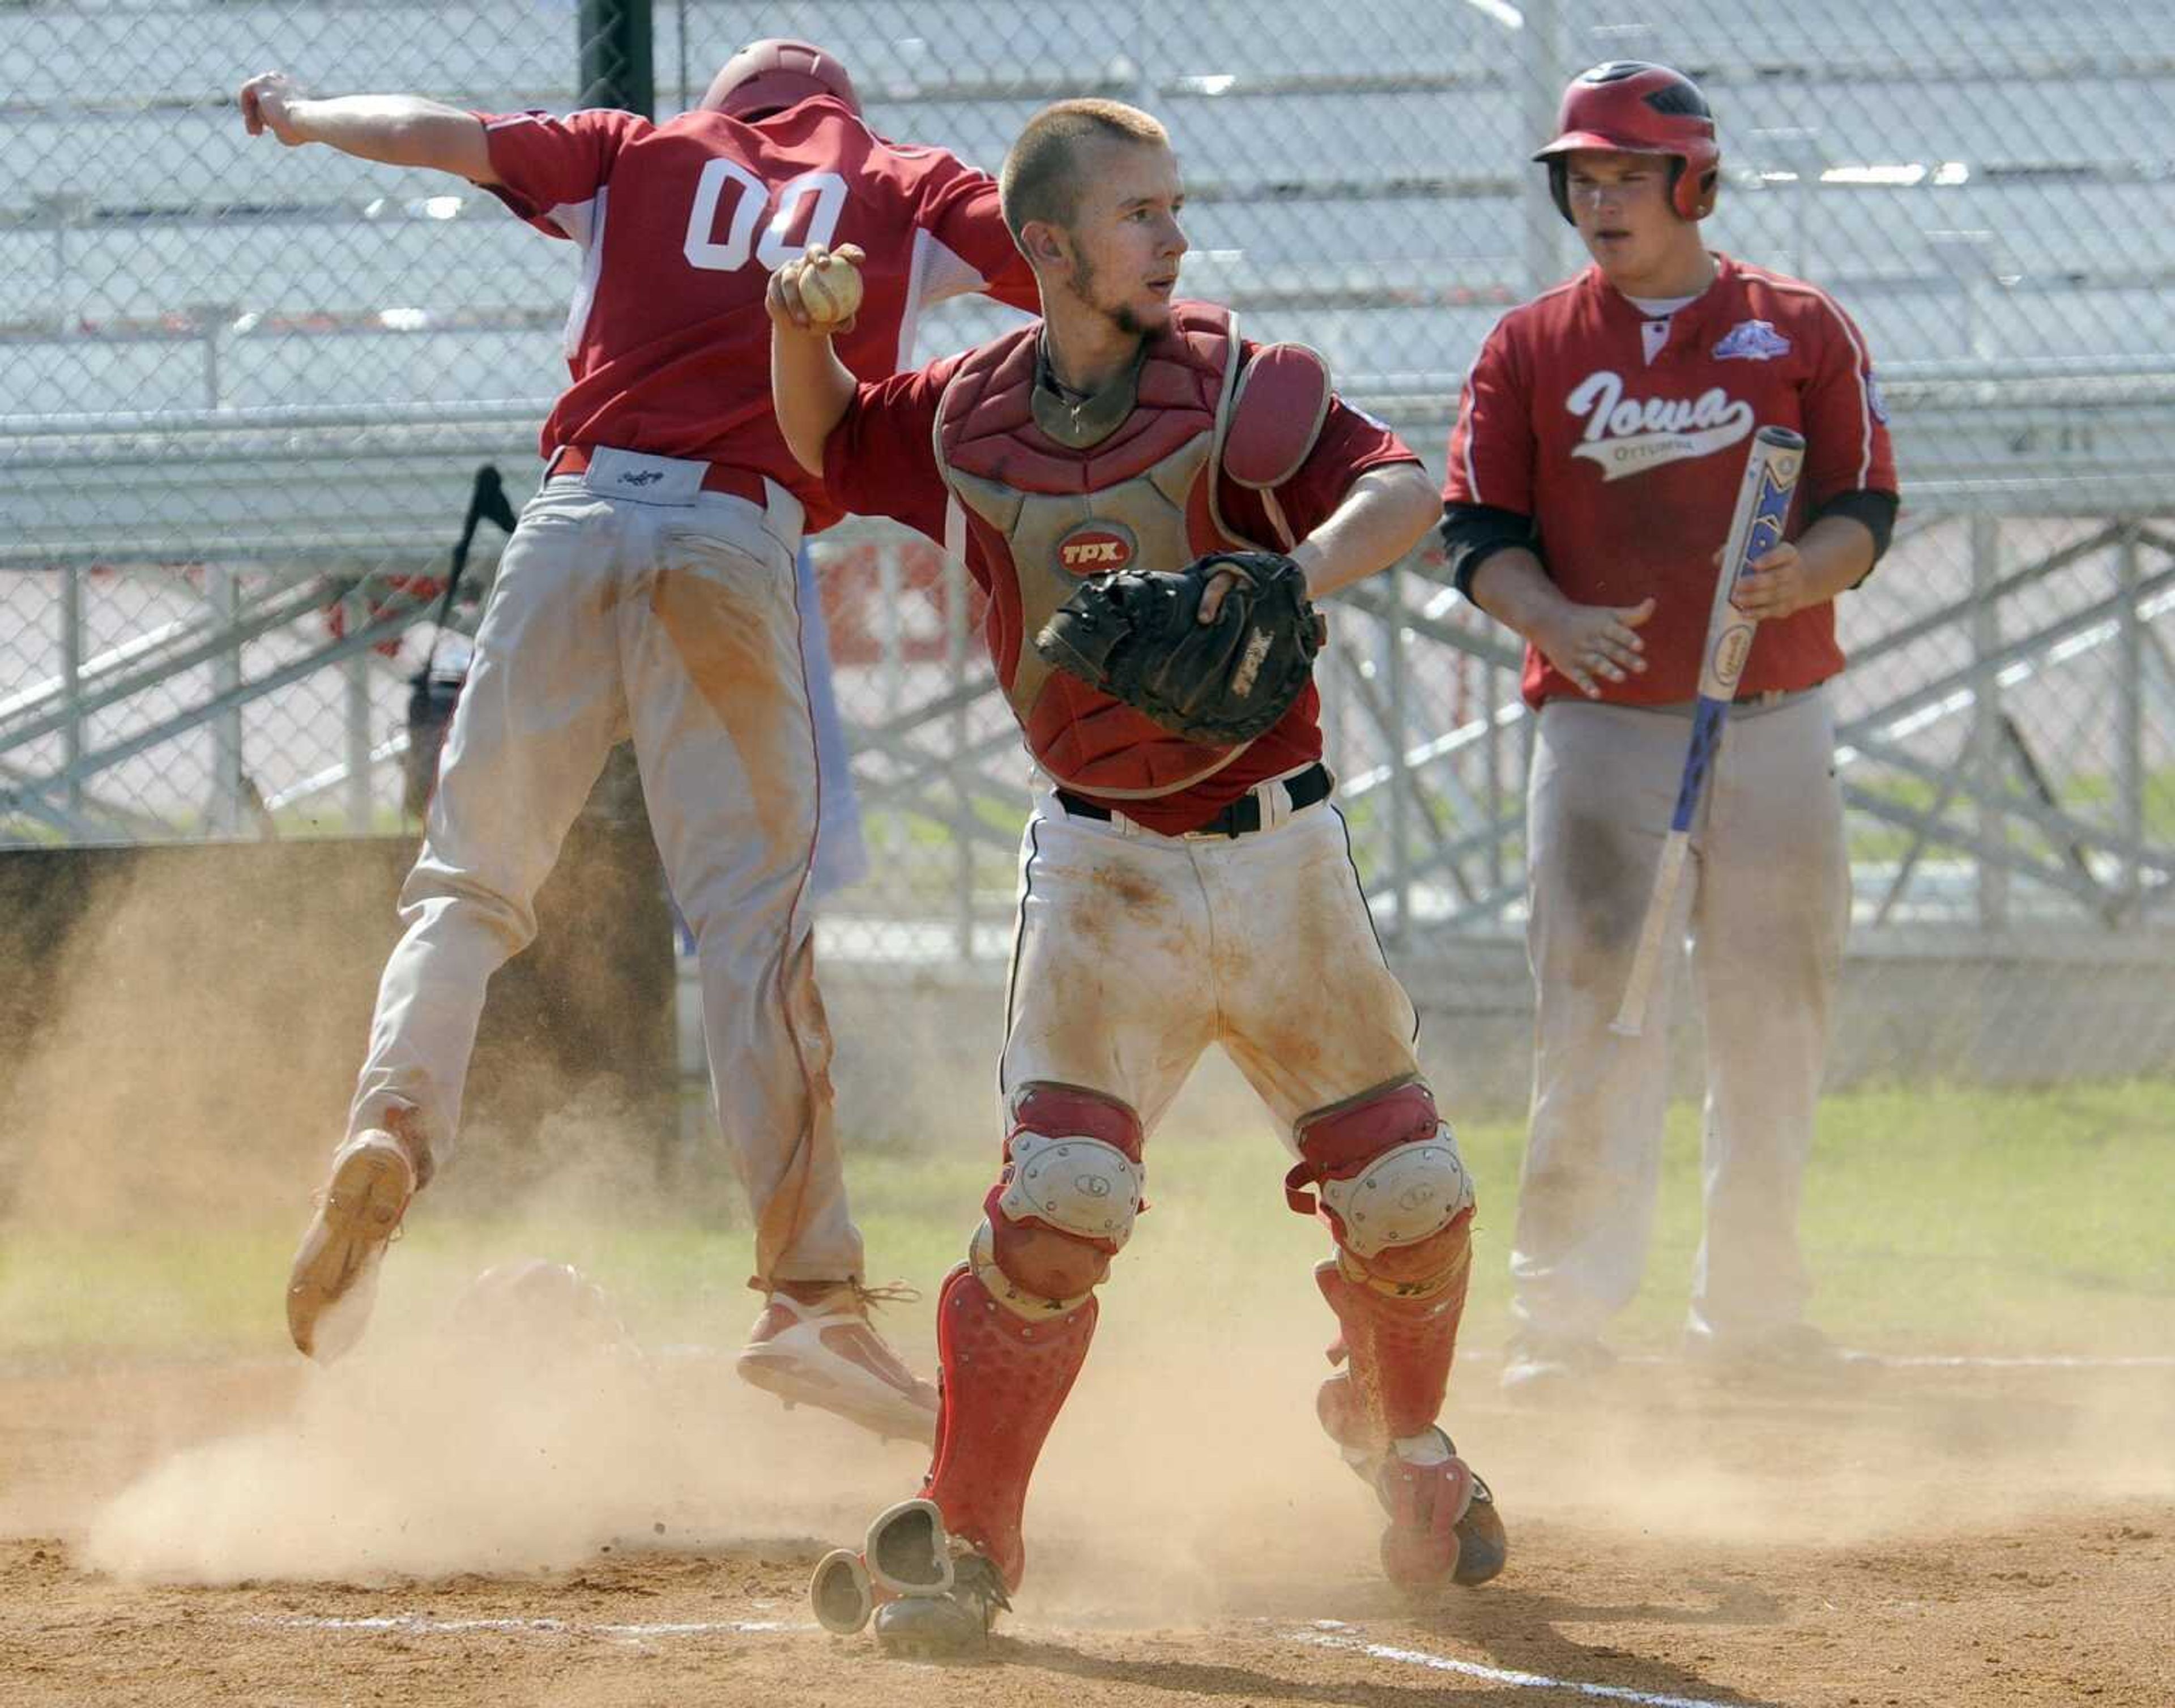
{"points": [[831, 290]]}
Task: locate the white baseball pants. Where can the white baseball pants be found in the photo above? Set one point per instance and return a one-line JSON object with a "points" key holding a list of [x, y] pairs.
{"points": [[673, 619], [1766, 898], [1137, 952]]}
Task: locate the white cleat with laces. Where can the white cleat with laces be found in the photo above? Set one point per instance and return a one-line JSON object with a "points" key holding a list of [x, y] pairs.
{"points": [[825, 1353]]}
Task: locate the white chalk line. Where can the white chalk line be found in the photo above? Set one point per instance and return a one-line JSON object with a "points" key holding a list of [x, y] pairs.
{"points": [[1888, 1361], [422, 1625], [1326, 1634], [1323, 1636], [1925, 1361], [2048, 1361]]}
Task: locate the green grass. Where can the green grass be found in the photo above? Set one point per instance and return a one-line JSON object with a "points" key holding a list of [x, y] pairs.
{"points": [[1936, 1220]]}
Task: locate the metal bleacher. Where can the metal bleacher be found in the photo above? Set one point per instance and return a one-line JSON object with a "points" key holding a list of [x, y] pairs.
{"points": [[345, 335], [286, 365]]}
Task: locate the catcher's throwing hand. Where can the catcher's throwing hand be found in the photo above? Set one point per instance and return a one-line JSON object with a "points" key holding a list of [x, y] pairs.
{"points": [[1224, 671], [265, 100], [801, 290]]}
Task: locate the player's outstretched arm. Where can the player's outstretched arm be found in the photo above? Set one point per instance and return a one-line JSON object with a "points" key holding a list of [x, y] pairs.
{"points": [[398, 130], [1381, 517], [810, 298]]}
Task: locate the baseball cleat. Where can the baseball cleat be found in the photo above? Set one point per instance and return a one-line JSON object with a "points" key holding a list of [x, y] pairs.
{"points": [[1790, 1353], [333, 1281], [1541, 1367], [1444, 1528], [953, 1626], [931, 1598], [828, 1354], [1443, 1524]]}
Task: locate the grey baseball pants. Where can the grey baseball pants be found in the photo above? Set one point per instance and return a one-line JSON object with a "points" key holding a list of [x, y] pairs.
{"points": [[676, 622], [1765, 900]]}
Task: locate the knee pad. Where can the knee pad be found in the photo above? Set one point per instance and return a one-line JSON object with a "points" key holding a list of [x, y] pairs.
{"points": [[1392, 1187], [1067, 1200]]}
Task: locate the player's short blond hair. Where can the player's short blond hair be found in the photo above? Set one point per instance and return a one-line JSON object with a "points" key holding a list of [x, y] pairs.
{"points": [[1039, 181]]}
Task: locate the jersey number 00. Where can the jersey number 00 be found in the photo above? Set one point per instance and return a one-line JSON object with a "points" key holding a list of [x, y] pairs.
{"points": [[749, 197]]}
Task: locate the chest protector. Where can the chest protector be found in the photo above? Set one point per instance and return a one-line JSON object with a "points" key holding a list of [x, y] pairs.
{"points": [[1142, 494]]}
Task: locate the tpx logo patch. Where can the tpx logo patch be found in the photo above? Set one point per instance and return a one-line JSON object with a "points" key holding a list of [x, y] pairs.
{"points": [[1096, 547]]}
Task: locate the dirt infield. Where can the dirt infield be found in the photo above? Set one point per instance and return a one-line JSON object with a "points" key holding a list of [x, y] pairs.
{"points": [[417, 1531]]}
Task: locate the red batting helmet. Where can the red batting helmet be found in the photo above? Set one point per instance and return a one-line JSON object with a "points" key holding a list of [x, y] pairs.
{"points": [[769, 76], [1634, 108]]}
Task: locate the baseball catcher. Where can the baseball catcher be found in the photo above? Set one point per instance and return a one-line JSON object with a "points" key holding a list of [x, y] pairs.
{"points": [[1172, 714], [1215, 652]]}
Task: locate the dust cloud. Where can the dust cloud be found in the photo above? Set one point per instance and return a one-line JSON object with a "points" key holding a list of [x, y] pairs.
{"points": [[186, 1045], [1187, 1479], [512, 1445]]}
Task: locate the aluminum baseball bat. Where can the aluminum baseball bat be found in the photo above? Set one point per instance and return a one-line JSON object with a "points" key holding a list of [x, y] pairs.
{"points": [[1756, 528]]}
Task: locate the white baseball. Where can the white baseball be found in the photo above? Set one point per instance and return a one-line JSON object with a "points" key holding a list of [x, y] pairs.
{"points": [[830, 290]]}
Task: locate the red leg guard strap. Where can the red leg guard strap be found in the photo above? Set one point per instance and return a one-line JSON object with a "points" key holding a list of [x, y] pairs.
{"points": [[1400, 1349], [1067, 1111], [1003, 1381], [1337, 1143]]}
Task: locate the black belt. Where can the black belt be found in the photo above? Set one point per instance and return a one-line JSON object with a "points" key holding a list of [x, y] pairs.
{"points": [[1241, 817]]}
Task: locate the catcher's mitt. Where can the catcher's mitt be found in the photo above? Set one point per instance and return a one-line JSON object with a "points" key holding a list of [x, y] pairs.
{"points": [[1136, 634]]}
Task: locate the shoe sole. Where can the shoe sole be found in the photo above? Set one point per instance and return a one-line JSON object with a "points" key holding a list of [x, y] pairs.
{"points": [[788, 1378], [925, 1649], [958, 1644], [366, 1197]]}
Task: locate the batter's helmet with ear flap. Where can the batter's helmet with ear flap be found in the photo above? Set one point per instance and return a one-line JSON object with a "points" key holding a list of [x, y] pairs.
{"points": [[1634, 108], [769, 76]]}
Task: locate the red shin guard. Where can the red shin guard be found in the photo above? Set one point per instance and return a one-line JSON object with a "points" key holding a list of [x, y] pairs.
{"points": [[1003, 1381], [1400, 1349]]}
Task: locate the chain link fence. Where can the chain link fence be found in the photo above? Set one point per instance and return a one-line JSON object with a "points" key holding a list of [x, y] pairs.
{"points": [[246, 390]]}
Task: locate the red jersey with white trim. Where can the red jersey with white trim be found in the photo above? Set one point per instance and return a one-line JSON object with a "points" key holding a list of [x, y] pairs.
{"points": [[1630, 461], [881, 460], [681, 225]]}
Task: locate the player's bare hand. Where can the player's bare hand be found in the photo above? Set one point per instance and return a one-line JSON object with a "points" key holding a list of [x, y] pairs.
{"points": [[1596, 644], [268, 101], [1211, 596], [818, 290], [1774, 585]]}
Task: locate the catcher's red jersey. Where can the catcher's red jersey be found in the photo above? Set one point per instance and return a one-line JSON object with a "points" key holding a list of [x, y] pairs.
{"points": [[1627, 451], [881, 460], [681, 225]]}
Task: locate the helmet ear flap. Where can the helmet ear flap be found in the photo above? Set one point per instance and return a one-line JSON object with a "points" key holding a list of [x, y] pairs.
{"points": [[1692, 193], [1708, 182], [1560, 186]]}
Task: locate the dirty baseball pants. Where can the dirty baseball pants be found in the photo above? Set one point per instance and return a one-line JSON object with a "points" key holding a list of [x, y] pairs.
{"points": [[1765, 896], [672, 619], [1137, 952]]}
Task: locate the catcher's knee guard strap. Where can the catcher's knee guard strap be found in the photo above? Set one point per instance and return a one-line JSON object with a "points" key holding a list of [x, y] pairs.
{"points": [[1070, 1188], [1387, 1170], [1004, 1382]]}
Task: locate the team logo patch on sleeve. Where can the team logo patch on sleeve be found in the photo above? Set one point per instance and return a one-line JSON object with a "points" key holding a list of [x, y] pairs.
{"points": [[1751, 340], [1095, 547]]}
